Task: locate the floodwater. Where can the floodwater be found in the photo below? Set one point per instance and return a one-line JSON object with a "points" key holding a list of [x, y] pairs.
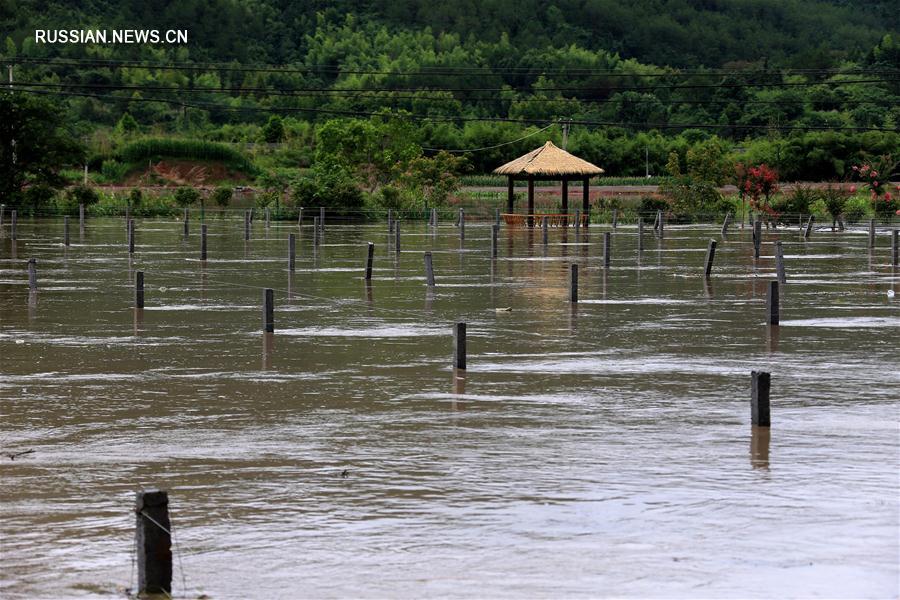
{"points": [[597, 450]]}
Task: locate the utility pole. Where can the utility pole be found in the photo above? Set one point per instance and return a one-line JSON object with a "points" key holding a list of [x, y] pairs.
{"points": [[565, 134]]}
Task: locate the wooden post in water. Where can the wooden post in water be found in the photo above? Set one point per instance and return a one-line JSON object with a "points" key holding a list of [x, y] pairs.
{"points": [[268, 217], [429, 270], [397, 236], [322, 217], [462, 224], [81, 218], [656, 221], [895, 259], [495, 231], [139, 289], [640, 235], [13, 224], [369, 257], [760, 384], [725, 224], [292, 251], [809, 226], [545, 229], [32, 274], [757, 238], [66, 231], [615, 218], [153, 543], [390, 218], [772, 301], [577, 218], [268, 310], [187, 226], [459, 346], [779, 263], [573, 283], [127, 216], [246, 225], [607, 248], [871, 233], [130, 236], [203, 242], [710, 257]]}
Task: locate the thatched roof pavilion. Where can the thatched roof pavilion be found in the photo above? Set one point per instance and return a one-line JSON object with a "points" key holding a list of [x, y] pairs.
{"points": [[548, 162]]}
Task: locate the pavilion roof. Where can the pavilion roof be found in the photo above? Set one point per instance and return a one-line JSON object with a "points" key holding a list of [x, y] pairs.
{"points": [[549, 161]]}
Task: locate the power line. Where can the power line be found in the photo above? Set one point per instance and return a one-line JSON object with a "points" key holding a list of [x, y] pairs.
{"points": [[524, 137], [448, 118]]}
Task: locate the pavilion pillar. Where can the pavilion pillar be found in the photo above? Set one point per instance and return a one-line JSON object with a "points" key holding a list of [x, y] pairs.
{"points": [[585, 203], [510, 195], [531, 201], [565, 201]]}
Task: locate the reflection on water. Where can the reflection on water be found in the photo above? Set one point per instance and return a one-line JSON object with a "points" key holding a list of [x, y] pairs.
{"points": [[590, 449]]}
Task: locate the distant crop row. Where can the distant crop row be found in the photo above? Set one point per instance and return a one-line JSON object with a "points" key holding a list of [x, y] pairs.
{"points": [[148, 149]]}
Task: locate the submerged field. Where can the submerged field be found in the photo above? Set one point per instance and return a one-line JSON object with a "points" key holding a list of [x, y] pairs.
{"points": [[603, 448]]}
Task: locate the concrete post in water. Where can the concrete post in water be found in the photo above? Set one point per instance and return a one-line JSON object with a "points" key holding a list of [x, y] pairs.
{"points": [[292, 251], [246, 225], [895, 259], [607, 248], [462, 224], [725, 224], [315, 231], [127, 216], [268, 217], [495, 230], [656, 221], [459, 346], [779, 263], [710, 257], [187, 227], [871, 233], [497, 217], [577, 218], [139, 289], [390, 218], [397, 237], [66, 231], [659, 219], [760, 383], [640, 234], [615, 218], [545, 228], [429, 270], [203, 242], [809, 226], [268, 310], [13, 224], [81, 217], [131, 236], [573, 283], [32, 274], [772, 301], [322, 217], [153, 543], [434, 218], [369, 257], [300, 217]]}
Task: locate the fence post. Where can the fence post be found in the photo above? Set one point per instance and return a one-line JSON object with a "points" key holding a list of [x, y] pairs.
{"points": [[459, 346], [203, 242], [139, 289], [772, 301], [434, 217], [710, 257], [871, 233], [300, 218], [397, 236], [32, 274], [66, 231], [322, 217], [640, 235], [246, 225], [390, 219], [429, 270], [779, 263], [577, 218], [268, 217], [545, 228], [292, 251], [370, 255], [81, 217], [154, 542], [809, 226], [187, 227], [725, 224], [462, 224], [894, 249], [495, 230], [497, 217], [13, 223], [573, 283], [315, 231], [760, 384], [757, 238], [268, 310], [130, 236], [607, 248], [661, 222]]}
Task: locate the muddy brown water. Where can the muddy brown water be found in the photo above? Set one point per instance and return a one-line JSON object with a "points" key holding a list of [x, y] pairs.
{"points": [[598, 450]]}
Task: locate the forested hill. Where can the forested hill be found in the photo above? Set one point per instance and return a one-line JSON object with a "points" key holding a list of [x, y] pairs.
{"points": [[678, 33]]}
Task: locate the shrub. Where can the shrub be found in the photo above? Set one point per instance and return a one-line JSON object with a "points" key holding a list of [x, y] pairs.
{"points": [[819, 209], [38, 198], [222, 196], [185, 196], [153, 148], [389, 197], [112, 171], [135, 197], [855, 208], [797, 201], [651, 204], [81, 194], [331, 188]]}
